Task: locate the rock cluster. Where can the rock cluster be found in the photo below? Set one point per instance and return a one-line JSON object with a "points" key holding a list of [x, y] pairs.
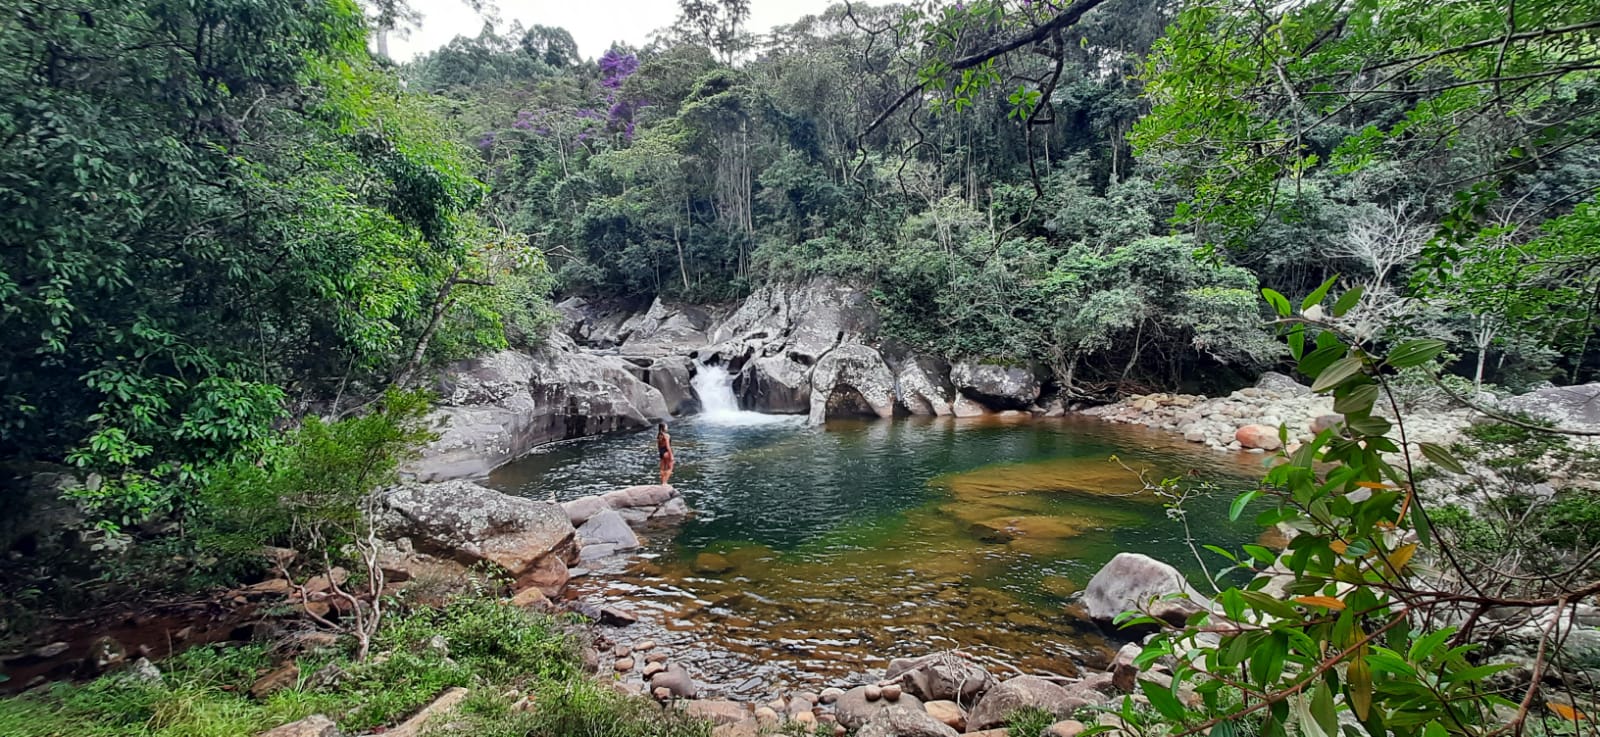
{"points": [[605, 521], [1249, 419]]}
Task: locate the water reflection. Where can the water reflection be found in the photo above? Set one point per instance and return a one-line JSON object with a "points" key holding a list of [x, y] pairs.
{"points": [[824, 551]]}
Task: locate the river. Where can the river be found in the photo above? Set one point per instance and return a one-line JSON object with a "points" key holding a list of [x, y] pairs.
{"points": [[817, 553]]}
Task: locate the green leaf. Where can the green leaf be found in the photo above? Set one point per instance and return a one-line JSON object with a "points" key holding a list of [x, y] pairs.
{"points": [[1318, 360], [1347, 301], [1316, 296], [1261, 554], [1356, 399], [1438, 456], [1239, 503], [1297, 341], [1415, 352], [1368, 425], [1336, 373], [1163, 701], [1278, 301]]}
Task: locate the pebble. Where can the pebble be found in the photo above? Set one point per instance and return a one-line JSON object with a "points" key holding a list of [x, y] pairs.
{"points": [[662, 693], [655, 658], [890, 693], [622, 651], [806, 718], [873, 693], [830, 695], [624, 665], [651, 669], [766, 716], [644, 646]]}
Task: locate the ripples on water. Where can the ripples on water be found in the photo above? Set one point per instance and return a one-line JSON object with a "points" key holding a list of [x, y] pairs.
{"points": [[821, 552]]}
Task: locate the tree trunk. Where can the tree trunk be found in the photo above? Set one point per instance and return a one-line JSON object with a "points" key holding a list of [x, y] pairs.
{"points": [[441, 305]]}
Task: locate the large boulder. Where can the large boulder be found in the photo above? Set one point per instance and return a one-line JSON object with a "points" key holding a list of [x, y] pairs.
{"points": [[854, 709], [666, 329], [905, 721], [776, 384], [1273, 381], [533, 541], [1023, 692], [851, 381], [922, 384], [1566, 406], [996, 386], [805, 319], [1133, 581], [607, 530], [673, 376], [941, 677], [1260, 437], [495, 408]]}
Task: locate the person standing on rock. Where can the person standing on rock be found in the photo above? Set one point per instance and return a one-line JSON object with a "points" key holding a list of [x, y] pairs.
{"points": [[664, 450]]}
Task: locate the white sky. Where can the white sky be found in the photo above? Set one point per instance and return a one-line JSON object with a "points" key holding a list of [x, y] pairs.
{"points": [[594, 24]]}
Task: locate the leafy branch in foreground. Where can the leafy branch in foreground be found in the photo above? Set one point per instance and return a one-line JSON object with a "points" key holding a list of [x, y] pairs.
{"points": [[1368, 621]]}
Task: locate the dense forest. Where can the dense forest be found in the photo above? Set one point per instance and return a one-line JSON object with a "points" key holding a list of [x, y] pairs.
{"points": [[236, 244]]}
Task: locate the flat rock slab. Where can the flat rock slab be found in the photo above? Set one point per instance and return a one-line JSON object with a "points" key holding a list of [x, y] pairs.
{"points": [[315, 725], [446, 703]]}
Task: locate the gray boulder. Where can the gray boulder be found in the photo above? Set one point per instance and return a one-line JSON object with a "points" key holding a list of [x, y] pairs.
{"points": [[805, 320], [666, 329], [851, 381], [675, 679], [608, 528], [1273, 381], [673, 376], [941, 677], [1020, 693], [495, 408], [776, 384], [922, 385], [1134, 581], [854, 709], [531, 540], [1566, 406], [903, 721], [996, 386]]}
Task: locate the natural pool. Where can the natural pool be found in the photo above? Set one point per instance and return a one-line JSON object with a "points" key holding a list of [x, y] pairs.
{"points": [[819, 552]]}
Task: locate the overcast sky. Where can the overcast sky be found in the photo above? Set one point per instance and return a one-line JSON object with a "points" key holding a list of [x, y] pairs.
{"points": [[594, 24]]}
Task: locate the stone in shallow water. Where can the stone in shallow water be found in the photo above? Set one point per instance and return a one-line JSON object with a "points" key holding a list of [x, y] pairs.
{"points": [[712, 563]]}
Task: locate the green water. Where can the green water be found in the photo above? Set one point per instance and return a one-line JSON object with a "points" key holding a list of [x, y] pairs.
{"points": [[837, 547]]}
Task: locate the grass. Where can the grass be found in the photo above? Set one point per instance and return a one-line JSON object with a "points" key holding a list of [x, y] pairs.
{"points": [[1029, 722], [492, 648]]}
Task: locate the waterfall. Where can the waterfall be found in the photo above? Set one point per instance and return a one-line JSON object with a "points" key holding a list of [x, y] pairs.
{"points": [[718, 405]]}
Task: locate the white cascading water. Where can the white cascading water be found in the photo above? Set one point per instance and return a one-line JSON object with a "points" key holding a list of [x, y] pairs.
{"points": [[718, 405]]}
